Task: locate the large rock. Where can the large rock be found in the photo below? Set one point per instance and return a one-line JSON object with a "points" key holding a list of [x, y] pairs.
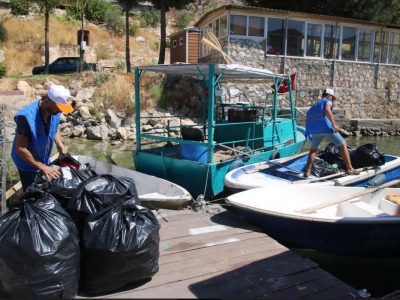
{"points": [[97, 132], [112, 119]]}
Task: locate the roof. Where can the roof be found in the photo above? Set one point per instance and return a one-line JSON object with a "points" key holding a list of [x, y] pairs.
{"points": [[231, 72], [263, 9]]}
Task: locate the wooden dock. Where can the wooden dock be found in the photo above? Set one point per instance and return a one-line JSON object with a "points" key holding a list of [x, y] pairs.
{"points": [[219, 255]]}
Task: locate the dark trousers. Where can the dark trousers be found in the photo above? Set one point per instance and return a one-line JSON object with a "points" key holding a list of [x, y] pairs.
{"points": [[27, 178]]}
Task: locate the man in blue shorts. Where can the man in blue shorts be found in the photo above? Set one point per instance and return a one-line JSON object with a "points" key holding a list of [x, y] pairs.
{"points": [[321, 124]]}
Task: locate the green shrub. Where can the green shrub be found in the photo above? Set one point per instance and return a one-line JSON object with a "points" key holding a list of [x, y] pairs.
{"points": [[95, 10], [3, 70], [152, 18], [133, 29], [183, 18], [114, 21], [120, 65], [100, 78], [142, 22], [96, 113], [19, 7], [168, 43], [156, 46], [3, 32]]}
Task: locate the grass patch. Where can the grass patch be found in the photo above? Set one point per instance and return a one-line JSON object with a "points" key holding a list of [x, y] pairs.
{"points": [[116, 93]]}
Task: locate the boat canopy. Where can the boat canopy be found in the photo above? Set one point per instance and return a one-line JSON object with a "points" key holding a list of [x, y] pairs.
{"points": [[229, 72]]}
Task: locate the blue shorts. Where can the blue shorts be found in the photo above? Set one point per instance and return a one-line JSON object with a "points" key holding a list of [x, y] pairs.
{"points": [[335, 138]]}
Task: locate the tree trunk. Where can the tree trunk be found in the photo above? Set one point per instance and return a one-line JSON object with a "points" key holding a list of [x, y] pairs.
{"points": [[46, 41], [127, 49], [163, 25]]}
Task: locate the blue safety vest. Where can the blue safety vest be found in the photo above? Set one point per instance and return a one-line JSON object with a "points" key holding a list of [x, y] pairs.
{"points": [[40, 144], [316, 120]]}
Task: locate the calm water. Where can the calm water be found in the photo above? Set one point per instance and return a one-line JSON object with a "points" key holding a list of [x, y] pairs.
{"points": [[378, 275]]}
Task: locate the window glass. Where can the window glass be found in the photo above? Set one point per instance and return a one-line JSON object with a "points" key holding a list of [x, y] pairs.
{"points": [[181, 41], [331, 35], [203, 48], [394, 49], [295, 38], [223, 26], [276, 36], [349, 43], [364, 44], [216, 27], [238, 25], [385, 48], [256, 26], [174, 43], [314, 33]]}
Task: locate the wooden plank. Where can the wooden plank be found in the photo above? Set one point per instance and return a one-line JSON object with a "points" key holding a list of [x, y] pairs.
{"points": [[245, 242], [217, 279], [196, 242], [223, 255], [309, 285]]}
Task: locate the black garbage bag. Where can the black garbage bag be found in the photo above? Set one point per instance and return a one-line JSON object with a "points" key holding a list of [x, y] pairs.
{"points": [[321, 168], [120, 247], [39, 249], [367, 155], [65, 186], [331, 154], [99, 192]]}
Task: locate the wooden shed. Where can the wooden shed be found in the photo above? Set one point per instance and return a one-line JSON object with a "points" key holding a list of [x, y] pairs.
{"points": [[184, 46]]}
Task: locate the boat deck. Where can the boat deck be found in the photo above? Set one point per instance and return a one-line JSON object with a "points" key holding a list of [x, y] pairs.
{"points": [[219, 255]]}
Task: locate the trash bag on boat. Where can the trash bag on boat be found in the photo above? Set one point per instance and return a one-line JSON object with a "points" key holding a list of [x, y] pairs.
{"points": [[39, 253], [99, 192], [120, 247], [331, 154], [65, 185], [367, 155], [321, 168]]}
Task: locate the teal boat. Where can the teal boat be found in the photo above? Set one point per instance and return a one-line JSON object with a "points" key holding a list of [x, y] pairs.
{"points": [[230, 135]]}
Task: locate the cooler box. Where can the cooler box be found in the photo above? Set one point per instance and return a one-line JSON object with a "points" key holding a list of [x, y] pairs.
{"points": [[194, 153]]}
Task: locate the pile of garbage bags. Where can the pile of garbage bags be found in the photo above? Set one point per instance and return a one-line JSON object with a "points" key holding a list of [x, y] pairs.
{"points": [[329, 161], [80, 233]]}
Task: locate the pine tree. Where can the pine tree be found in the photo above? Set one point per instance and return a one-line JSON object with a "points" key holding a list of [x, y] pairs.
{"points": [[127, 5], [164, 6], [45, 7]]}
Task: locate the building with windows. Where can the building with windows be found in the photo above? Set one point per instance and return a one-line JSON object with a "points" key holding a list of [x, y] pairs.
{"points": [[360, 60]]}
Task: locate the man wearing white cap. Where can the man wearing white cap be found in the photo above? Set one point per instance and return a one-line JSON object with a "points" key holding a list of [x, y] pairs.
{"points": [[321, 124], [37, 130]]}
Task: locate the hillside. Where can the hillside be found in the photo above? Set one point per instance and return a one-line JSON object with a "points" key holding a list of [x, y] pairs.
{"points": [[25, 45]]}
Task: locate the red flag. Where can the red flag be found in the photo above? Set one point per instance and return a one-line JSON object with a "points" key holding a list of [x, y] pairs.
{"points": [[284, 88]]}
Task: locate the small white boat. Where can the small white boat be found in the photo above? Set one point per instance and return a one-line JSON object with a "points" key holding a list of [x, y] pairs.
{"points": [[289, 171], [353, 221], [154, 192]]}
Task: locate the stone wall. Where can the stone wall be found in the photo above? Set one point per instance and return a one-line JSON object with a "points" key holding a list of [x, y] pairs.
{"points": [[364, 90]]}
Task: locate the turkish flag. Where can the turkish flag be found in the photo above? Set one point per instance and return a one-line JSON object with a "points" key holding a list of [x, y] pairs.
{"points": [[284, 88]]}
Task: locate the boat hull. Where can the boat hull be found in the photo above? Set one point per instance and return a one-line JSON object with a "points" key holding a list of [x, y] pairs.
{"points": [[154, 193], [198, 178], [286, 172], [342, 238], [353, 221]]}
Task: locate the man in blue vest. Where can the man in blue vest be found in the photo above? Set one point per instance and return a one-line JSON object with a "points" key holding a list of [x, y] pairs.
{"points": [[37, 130], [321, 124]]}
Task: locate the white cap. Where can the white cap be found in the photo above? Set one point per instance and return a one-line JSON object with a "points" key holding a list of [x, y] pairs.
{"points": [[330, 92], [61, 96]]}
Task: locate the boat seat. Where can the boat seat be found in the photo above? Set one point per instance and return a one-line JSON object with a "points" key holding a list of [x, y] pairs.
{"points": [[192, 133], [359, 209]]}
